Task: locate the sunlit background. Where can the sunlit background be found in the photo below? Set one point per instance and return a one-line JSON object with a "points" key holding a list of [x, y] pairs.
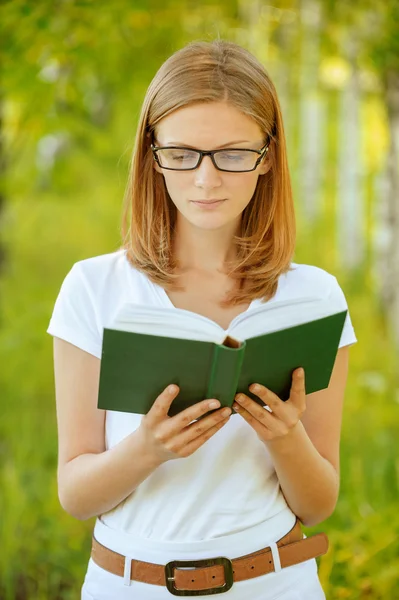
{"points": [[74, 77]]}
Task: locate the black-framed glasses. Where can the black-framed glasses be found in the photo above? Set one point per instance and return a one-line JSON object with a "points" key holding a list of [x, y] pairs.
{"points": [[233, 160]]}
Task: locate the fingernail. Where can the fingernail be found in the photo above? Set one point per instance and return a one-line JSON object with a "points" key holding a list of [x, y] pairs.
{"points": [[226, 412], [255, 387], [171, 389], [214, 404], [236, 407]]}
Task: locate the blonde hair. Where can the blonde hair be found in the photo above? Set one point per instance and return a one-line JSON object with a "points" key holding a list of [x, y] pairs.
{"points": [[207, 72]]}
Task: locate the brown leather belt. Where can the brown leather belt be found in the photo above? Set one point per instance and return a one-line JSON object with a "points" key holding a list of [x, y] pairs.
{"points": [[214, 575]]}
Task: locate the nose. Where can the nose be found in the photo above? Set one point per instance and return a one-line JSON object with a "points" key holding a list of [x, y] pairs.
{"points": [[207, 175]]}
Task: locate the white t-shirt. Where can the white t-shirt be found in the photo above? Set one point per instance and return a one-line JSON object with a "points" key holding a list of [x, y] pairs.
{"points": [[229, 484]]}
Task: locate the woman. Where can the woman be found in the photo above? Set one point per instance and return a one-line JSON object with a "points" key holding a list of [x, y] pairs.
{"points": [[213, 233]]}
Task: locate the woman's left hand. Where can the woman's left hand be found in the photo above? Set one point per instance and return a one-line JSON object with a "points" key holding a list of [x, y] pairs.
{"points": [[284, 416]]}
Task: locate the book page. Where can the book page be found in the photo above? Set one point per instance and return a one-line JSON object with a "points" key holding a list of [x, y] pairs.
{"points": [[167, 322], [279, 315], [184, 324]]}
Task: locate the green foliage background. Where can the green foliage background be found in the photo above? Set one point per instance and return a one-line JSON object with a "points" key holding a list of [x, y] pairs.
{"points": [[79, 71]]}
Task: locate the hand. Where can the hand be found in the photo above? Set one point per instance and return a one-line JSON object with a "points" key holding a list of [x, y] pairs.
{"points": [[177, 437], [284, 416]]}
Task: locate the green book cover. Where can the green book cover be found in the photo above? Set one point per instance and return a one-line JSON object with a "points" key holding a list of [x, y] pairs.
{"points": [[137, 367]]}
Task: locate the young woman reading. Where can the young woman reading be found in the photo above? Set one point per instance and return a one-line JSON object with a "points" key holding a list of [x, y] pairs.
{"points": [[209, 227]]}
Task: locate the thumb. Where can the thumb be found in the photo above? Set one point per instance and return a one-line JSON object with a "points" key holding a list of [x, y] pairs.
{"points": [[159, 410]]}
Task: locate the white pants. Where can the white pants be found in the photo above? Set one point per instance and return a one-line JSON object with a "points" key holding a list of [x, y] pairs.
{"points": [[298, 582]]}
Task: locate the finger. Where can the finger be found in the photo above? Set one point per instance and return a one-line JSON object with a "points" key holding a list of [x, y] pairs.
{"points": [[254, 409], [298, 391], [275, 403], [183, 419], [190, 446], [264, 431], [200, 426], [159, 409]]}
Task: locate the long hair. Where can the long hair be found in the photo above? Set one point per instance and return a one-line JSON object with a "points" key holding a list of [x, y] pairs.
{"points": [[220, 71]]}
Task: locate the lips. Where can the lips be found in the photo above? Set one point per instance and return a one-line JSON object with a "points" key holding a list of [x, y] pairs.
{"points": [[212, 201]]}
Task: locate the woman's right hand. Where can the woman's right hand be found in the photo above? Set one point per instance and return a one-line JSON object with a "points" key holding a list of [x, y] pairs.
{"points": [[167, 437]]}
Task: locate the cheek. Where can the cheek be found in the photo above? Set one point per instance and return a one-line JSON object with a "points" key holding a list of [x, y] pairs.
{"points": [[239, 188], [244, 188], [177, 186]]}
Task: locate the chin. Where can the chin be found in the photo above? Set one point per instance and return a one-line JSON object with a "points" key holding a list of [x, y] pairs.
{"points": [[212, 221], [211, 224]]}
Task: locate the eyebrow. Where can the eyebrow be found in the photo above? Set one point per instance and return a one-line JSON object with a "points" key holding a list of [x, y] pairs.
{"points": [[222, 146]]}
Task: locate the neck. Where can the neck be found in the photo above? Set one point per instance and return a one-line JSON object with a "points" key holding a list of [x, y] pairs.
{"points": [[203, 250]]}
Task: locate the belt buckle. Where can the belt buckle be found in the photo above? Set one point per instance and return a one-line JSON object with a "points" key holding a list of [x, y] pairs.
{"points": [[206, 562]]}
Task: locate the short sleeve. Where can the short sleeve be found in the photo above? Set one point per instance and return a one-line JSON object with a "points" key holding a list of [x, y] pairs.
{"points": [[348, 336], [74, 317]]}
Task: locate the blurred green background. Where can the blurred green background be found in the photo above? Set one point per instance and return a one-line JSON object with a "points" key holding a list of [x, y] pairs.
{"points": [[74, 77]]}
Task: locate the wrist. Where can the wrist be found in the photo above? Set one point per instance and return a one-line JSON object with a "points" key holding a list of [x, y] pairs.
{"points": [[145, 449], [285, 443]]}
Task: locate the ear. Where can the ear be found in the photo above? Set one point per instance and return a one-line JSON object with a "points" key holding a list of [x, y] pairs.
{"points": [[157, 167], [266, 162]]}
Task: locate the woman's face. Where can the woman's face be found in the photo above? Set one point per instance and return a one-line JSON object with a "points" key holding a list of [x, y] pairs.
{"points": [[210, 126]]}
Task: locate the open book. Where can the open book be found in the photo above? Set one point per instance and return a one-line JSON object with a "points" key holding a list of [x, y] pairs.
{"points": [[146, 348]]}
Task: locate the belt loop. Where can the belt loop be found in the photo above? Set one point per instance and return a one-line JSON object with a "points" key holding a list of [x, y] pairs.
{"points": [[127, 571], [276, 556]]}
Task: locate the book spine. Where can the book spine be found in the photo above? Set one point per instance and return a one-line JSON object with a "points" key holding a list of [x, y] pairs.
{"points": [[225, 373]]}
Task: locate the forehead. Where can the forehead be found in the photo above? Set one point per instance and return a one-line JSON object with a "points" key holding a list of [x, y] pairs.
{"points": [[209, 125]]}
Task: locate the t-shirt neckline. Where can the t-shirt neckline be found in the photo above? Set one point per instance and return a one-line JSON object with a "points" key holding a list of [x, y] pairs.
{"points": [[166, 301]]}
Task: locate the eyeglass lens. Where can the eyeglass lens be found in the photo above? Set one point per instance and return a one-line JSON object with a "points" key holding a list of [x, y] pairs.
{"points": [[231, 160]]}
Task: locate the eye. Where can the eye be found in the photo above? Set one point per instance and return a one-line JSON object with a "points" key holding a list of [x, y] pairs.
{"points": [[182, 154], [235, 155]]}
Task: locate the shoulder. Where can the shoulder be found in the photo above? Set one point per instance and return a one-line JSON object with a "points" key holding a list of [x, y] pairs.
{"points": [[97, 283], [89, 295], [108, 273], [98, 269], [306, 279], [109, 280], [309, 280]]}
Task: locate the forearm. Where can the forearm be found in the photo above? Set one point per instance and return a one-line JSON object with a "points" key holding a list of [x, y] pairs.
{"points": [[309, 482], [92, 484]]}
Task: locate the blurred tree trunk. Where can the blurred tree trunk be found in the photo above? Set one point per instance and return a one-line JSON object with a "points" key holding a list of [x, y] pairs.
{"points": [[350, 213], [3, 167], [311, 113], [390, 284], [249, 14]]}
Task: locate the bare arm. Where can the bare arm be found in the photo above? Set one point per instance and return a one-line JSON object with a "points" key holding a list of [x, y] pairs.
{"points": [[305, 451], [307, 461], [93, 480], [92, 484]]}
